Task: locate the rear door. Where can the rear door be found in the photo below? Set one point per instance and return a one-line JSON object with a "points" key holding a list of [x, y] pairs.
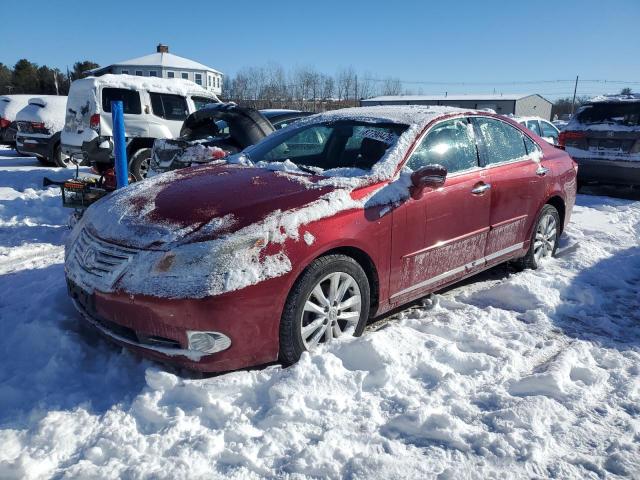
{"points": [[441, 236], [517, 181]]}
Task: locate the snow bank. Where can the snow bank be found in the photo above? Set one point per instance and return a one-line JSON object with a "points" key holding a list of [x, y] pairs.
{"points": [[511, 375], [48, 109]]}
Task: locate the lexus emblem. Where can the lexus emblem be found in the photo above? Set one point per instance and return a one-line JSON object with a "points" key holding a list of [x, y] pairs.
{"points": [[89, 258]]}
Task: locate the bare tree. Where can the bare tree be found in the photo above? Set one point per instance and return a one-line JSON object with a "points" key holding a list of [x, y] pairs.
{"points": [[391, 86]]}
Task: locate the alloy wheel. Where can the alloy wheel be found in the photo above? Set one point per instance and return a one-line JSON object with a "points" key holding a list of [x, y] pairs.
{"points": [[546, 236], [331, 310]]}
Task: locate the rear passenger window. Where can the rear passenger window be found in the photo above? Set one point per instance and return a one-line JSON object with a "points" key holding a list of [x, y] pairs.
{"points": [[169, 107], [502, 142], [130, 100], [450, 144]]}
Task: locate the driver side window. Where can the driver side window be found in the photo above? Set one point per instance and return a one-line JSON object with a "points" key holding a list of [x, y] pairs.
{"points": [[450, 144]]}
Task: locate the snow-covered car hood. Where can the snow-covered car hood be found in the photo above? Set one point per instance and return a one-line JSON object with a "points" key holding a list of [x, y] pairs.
{"points": [[197, 204]]}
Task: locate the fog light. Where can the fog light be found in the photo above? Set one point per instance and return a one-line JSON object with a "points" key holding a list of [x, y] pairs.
{"points": [[208, 342]]}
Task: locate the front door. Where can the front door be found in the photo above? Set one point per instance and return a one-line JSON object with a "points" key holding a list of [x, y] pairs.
{"points": [[442, 236]]}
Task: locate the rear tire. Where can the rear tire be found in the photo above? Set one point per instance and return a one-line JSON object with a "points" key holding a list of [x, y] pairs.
{"points": [[140, 163], [330, 300], [60, 159], [544, 239]]}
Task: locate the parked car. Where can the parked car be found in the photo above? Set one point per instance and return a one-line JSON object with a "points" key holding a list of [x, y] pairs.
{"points": [[216, 131], [10, 105], [604, 138], [280, 249], [39, 126], [153, 108], [540, 127]]}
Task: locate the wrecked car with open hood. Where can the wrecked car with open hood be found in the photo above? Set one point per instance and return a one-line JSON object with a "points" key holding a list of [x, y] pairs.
{"points": [[302, 238], [216, 131]]}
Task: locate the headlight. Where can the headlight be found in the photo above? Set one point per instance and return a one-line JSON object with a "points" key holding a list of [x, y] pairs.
{"points": [[202, 269]]}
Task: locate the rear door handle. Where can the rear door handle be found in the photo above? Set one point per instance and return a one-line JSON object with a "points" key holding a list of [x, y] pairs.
{"points": [[480, 189], [542, 171]]}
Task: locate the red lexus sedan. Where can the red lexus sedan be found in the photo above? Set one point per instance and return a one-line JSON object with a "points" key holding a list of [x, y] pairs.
{"points": [[302, 238]]}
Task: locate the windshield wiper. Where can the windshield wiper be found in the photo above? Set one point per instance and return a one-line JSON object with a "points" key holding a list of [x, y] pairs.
{"points": [[307, 169]]}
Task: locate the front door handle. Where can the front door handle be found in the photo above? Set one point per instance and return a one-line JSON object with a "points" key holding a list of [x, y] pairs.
{"points": [[542, 171], [480, 189]]}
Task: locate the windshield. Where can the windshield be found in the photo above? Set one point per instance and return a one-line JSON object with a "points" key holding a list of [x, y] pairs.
{"points": [[612, 113], [329, 145]]}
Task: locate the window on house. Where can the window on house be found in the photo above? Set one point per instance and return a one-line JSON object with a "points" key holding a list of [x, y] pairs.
{"points": [[153, 73], [198, 78], [139, 73], [124, 72], [185, 75], [209, 80], [171, 74]]}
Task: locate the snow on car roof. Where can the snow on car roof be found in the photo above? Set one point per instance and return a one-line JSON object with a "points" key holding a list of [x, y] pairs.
{"points": [[48, 109], [632, 97], [10, 105], [418, 115], [177, 86]]}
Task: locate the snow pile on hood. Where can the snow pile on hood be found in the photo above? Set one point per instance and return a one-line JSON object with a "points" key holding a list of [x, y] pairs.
{"points": [[10, 105], [48, 109], [511, 375]]}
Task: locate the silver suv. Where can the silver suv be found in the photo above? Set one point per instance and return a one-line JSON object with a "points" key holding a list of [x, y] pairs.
{"points": [[603, 137]]}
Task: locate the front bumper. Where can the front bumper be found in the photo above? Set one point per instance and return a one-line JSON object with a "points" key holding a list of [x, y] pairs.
{"points": [[33, 146], [158, 327], [608, 171]]}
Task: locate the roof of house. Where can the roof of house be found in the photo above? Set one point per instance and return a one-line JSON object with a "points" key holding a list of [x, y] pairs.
{"points": [[451, 98], [166, 60]]}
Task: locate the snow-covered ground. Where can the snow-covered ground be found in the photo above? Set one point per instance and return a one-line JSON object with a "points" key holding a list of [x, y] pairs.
{"points": [[511, 375]]}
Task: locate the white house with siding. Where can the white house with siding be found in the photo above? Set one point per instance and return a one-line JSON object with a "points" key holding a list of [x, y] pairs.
{"points": [[166, 65]]}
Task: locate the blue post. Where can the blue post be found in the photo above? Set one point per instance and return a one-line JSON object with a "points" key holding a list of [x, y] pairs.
{"points": [[119, 144]]}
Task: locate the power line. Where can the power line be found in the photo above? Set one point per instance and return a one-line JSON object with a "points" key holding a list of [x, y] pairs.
{"points": [[508, 82]]}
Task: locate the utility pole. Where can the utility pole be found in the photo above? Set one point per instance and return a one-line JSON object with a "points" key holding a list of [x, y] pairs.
{"points": [[356, 99], [573, 102]]}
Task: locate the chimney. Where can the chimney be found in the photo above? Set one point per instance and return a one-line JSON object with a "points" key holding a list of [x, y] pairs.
{"points": [[161, 48]]}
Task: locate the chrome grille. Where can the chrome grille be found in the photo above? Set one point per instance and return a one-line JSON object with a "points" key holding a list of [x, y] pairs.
{"points": [[99, 258]]}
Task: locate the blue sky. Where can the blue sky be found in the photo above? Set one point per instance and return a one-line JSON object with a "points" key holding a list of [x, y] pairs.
{"points": [[479, 42]]}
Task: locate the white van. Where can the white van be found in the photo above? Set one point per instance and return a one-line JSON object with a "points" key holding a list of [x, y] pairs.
{"points": [[10, 105], [153, 108], [39, 126]]}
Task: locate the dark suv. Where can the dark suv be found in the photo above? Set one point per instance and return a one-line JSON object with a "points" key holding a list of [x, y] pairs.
{"points": [[603, 137]]}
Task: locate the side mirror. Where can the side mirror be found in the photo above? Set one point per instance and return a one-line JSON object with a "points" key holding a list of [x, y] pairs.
{"points": [[431, 176]]}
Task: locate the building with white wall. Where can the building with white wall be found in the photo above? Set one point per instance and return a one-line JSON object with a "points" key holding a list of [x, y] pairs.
{"points": [[526, 104], [166, 65]]}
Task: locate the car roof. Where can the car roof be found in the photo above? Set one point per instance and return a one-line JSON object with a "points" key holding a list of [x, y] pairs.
{"points": [[417, 115]]}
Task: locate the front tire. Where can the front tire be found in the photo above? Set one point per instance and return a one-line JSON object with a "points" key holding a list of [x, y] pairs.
{"points": [[544, 239], [330, 300], [140, 163]]}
